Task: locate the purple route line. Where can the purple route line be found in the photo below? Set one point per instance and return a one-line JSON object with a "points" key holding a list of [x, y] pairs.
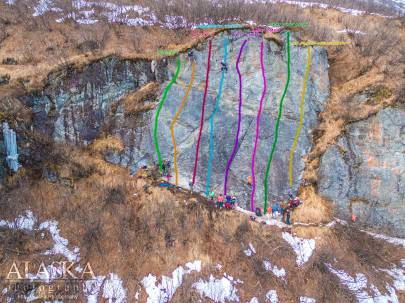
{"points": [[252, 197], [239, 119]]}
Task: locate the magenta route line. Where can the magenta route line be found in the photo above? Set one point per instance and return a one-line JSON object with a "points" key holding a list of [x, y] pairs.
{"points": [[235, 147], [202, 110], [252, 197]]}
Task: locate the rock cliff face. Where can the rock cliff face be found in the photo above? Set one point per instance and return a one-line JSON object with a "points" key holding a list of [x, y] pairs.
{"points": [[225, 122], [74, 106], [364, 171]]}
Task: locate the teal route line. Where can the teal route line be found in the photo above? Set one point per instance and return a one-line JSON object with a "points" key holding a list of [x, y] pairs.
{"points": [[211, 148], [162, 102], [280, 111]]}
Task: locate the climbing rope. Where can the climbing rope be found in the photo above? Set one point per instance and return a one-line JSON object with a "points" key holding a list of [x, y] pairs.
{"points": [[235, 146], [176, 116], [162, 102], [297, 134], [202, 111], [280, 111], [252, 197], [211, 148]]}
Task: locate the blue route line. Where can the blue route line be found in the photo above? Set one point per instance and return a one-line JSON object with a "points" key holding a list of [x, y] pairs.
{"points": [[211, 148]]}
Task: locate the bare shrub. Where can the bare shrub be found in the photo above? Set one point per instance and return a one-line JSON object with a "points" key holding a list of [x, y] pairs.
{"points": [[379, 41], [92, 237], [401, 94], [115, 195]]}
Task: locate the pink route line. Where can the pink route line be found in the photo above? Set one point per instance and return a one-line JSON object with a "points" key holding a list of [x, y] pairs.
{"points": [[203, 110], [239, 119], [252, 197]]}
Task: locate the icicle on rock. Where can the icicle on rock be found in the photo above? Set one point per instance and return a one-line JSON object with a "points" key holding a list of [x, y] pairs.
{"points": [[11, 147]]}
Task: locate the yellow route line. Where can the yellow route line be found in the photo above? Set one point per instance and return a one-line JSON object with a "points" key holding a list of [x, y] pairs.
{"points": [[297, 134], [319, 43], [176, 116]]}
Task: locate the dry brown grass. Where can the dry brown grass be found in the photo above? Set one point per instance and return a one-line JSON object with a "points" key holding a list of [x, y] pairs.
{"points": [[314, 210], [135, 103], [121, 227], [104, 145]]}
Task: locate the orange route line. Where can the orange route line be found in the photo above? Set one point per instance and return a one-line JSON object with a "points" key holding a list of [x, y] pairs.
{"points": [[176, 116]]}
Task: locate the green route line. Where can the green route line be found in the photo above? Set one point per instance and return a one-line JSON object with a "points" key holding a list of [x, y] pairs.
{"points": [[297, 134], [280, 111], [162, 102]]}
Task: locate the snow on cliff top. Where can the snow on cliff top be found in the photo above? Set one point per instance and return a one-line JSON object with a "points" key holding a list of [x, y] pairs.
{"points": [[85, 14]]}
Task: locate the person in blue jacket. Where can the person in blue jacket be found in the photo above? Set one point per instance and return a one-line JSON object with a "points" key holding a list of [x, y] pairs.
{"points": [[275, 209]]}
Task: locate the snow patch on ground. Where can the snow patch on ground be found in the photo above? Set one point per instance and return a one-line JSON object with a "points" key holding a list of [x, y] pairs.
{"points": [[359, 285], [250, 251], [278, 272], [398, 275], [271, 296], [219, 290], [351, 31], [44, 6], [392, 240], [254, 300], [28, 222], [164, 291], [60, 245], [113, 289], [275, 222], [22, 222], [302, 247], [307, 300], [91, 288], [340, 221]]}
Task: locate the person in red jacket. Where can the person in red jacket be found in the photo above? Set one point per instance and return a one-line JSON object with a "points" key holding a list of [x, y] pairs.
{"points": [[220, 201]]}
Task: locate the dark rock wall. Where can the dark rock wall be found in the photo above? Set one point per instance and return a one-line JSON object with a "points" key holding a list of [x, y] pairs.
{"points": [[364, 172], [72, 108]]}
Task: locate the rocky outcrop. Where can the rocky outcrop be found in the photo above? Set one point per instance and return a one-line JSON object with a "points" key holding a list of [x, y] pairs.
{"points": [[364, 172], [74, 105]]}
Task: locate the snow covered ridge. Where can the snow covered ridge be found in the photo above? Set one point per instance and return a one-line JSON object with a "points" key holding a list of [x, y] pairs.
{"points": [[301, 4], [85, 14]]}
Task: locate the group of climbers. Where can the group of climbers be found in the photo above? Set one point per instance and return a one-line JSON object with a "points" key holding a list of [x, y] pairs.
{"points": [[282, 209], [227, 202], [221, 201]]}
